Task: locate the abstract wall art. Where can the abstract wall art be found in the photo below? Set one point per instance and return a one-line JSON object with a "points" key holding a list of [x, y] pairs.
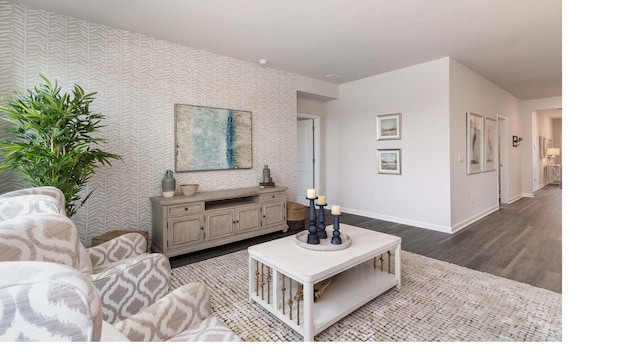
{"points": [[490, 144], [210, 138], [474, 143]]}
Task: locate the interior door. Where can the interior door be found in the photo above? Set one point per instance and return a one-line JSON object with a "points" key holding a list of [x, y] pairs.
{"points": [[306, 159]]}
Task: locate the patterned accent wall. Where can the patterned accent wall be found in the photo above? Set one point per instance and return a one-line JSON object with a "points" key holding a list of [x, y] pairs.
{"points": [[138, 80]]}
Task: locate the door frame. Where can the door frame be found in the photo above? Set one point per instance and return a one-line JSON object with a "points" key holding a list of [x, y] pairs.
{"points": [[317, 124], [503, 165]]}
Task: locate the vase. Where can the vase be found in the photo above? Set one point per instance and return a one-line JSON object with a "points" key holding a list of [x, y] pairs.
{"points": [[266, 174], [168, 184]]}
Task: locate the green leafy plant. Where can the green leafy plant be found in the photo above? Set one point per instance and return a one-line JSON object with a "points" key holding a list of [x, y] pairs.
{"points": [[51, 141]]}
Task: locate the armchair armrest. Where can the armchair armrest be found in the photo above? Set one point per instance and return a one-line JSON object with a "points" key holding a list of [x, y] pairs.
{"points": [[129, 286], [179, 310], [44, 301], [117, 249]]}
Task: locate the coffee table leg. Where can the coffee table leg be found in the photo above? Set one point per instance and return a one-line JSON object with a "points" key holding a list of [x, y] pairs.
{"points": [[308, 311], [252, 279], [398, 272]]}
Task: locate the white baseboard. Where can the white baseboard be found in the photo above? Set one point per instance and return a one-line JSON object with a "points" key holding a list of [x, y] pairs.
{"points": [[423, 225], [419, 224], [461, 225], [514, 199]]}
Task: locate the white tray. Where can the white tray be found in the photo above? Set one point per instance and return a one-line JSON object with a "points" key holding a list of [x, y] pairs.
{"points": [[325, 244]]}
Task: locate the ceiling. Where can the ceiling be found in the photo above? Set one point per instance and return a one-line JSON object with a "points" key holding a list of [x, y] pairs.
{"points": [[515, 44]]}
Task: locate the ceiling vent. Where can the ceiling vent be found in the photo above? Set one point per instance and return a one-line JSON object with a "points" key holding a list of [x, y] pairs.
{"points": [[333, 77]]}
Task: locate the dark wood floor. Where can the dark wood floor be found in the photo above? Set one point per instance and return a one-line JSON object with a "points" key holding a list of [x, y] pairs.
{"points": [[522, 241]]}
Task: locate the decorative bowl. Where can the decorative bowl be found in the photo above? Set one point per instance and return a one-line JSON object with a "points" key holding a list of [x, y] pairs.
{"points": [[189, 189]]}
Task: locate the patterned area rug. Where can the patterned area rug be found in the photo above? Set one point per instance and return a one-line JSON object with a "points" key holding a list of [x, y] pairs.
{"points": [[438, 301]]}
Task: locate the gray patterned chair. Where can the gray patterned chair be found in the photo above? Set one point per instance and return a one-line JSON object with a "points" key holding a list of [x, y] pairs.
{"points": [[44, 301], [34, 226]]}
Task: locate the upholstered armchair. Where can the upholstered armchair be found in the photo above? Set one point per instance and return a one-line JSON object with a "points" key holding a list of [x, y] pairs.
{"points": [[31, 200], [24, 202], [44, 301], [33, 226]]}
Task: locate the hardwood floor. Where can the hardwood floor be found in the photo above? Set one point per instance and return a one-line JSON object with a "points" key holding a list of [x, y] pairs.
{"points": [[522, 241]]}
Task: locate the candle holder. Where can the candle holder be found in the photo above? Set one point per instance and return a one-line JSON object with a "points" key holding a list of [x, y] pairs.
{"points": [[336, 239], [313, 237], [322, 233]]}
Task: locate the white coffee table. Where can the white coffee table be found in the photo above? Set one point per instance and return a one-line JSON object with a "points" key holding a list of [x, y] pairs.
{"points": [[278, 266]]}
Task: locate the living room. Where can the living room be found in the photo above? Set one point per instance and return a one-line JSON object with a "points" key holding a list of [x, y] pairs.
{"points": [[139, 79]]}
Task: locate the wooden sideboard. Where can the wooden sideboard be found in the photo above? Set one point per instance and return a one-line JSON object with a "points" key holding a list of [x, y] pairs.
{"points": [[184, 224]]}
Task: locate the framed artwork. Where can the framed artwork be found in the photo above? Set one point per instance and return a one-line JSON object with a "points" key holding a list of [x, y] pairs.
{"points": [[210, 138], [490, 144], [388, 126], [389, 161], [549, 145], [474, 143]]}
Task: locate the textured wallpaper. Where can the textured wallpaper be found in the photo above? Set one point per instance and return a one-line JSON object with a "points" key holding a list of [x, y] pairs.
{"points": [[138, 80]]}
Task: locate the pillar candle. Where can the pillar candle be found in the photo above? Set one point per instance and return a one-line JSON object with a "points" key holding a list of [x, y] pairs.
{"points": [[322, 200], [311, 193], [335, 209]]}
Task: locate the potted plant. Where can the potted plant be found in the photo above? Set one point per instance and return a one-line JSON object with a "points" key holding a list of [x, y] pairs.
{"points": [[52, 140]]}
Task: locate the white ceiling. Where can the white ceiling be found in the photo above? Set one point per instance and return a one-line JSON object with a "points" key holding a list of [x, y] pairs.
{"points": [[517, 44]]}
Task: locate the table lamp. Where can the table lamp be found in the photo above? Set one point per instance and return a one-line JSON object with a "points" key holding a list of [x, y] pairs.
{"points": [[553, 152]]}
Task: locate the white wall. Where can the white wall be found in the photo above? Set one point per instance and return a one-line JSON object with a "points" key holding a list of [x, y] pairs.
{"points": [[474, 196], [309, 106], [418, 197], [557, 138], [138, 80]]}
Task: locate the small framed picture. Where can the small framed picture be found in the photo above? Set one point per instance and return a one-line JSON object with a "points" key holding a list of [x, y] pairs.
{"points": [[490, 144], [389, 161], [388, 126], [474, 143]]}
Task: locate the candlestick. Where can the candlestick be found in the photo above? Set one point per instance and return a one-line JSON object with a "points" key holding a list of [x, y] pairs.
{"points": [[335, 210], [311, 194], [322, 200], [336, 239], [322, 233], [313, 237]]}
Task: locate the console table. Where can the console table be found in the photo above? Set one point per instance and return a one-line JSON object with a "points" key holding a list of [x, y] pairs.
{"points": [[184, 224], [554, 174]]}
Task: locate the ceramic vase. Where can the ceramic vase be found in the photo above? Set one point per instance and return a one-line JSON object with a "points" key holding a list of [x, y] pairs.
{"points": [[266, 174], [168, 184]]}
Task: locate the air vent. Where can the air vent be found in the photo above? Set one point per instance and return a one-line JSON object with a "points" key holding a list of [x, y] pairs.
{"points": [[333, 77]]}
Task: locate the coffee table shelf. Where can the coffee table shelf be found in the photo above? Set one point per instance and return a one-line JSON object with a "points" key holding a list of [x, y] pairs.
{"points": [[355, 281]]}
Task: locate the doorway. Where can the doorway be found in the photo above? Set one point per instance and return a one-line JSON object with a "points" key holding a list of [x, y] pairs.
{"points": [[503, 160], [307, 176]]}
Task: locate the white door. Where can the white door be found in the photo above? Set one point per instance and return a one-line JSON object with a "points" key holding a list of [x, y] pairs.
{"points": [[306, 159]]}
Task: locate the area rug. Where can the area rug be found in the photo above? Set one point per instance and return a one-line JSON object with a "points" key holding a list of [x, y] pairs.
{"points": [[438, 301]]}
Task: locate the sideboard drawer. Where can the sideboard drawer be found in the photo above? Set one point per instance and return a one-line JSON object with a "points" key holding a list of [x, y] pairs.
{"points": [[272, 197], [186, 209]]}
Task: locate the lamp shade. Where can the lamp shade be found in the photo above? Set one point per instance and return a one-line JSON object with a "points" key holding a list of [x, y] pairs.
{"points": [[553, 151]]}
